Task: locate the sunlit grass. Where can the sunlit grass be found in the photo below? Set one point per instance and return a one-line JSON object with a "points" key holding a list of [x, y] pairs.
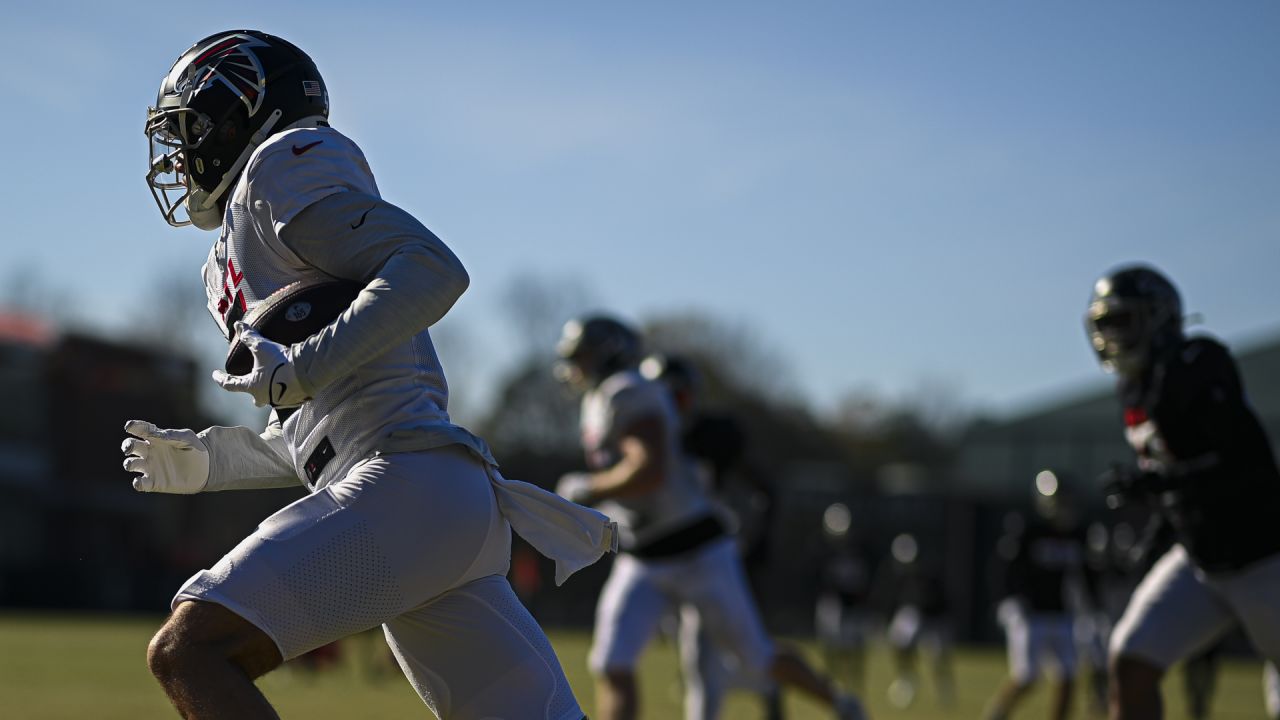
{"points": [[63, 667]]}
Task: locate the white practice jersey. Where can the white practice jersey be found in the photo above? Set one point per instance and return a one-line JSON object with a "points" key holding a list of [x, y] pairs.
{"points": [[607, 412], [400, 394]]}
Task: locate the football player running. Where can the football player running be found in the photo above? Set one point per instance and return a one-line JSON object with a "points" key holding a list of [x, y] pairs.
{"points": [[407, 523], [715, 444], [1044, 569], [1204, 459], [675, 550]]}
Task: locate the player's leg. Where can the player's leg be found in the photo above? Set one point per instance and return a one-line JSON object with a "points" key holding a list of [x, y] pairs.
{"points": [[701, 666], [1172, 614], [475, 652], [1271, 690], [937, 642], [713, 581], [1062, 646], [903, 635], [222, 634], [1254, 594], [395, 532], [1200, 674], [206, 659], [468, 646], [1091, 631], [1024, 641], [627, 615]]}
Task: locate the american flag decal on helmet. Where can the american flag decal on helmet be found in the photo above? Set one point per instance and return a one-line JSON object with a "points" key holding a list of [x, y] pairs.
{"points": [[311, 88]]}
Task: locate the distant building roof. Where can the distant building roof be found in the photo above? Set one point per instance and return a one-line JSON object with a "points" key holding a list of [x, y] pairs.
{"points": [[26, 329]]}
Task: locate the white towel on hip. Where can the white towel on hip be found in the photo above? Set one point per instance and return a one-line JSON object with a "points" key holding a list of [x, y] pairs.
{"points": [[570, 534]]}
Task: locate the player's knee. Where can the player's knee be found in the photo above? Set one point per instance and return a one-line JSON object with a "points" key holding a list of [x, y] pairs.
{"points": [[165, 654], [200, 632]]}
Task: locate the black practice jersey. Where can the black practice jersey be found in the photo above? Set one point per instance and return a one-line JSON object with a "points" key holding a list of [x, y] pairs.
{"points": [[717, 440], [719, 443], [845, 575], [1042, 563], [901, 585], [1214, 476]]}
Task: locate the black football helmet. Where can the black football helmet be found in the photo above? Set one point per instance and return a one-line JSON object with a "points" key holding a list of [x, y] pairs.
{"points": [[1134, 315], [593, 348], [1054, 498], [221, 100]]}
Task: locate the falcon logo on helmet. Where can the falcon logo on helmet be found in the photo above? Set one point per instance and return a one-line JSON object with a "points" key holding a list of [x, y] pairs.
{"points": [[233, 63]]}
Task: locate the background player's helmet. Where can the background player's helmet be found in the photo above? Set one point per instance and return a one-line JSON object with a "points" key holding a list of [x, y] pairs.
{"points": [[1053, 499], [595, 347], [223, 98], [904, 549], [678, 374], [1135, 314]]}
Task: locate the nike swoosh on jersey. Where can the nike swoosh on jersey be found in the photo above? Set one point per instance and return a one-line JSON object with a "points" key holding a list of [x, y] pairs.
{"points": [[362, 217], [299, 150]]}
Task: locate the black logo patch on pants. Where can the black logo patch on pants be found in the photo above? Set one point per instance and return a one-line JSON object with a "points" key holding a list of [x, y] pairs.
{"points": [[318, 459]]}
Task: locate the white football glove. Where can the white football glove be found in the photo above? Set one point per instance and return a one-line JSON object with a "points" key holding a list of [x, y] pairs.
{"points": [[575, 487], [273, 380], [171, 461]]}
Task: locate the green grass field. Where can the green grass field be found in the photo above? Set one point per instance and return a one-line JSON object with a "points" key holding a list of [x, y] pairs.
{"points": [[63, 667]]}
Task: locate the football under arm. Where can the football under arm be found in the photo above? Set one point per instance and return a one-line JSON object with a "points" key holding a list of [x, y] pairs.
{"points": [[411, 280], [241, 459]]}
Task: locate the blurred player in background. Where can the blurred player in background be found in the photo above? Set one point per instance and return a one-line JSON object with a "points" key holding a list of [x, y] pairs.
{"points": [[1044, 570], [913, 591], [1093, 623], [841, 617], [407, 521], [716, 445], [676, 549], [1205, 461]]}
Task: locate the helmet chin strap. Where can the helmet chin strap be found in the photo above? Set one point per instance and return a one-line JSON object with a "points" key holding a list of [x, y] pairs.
{"points": [[202, 207]]}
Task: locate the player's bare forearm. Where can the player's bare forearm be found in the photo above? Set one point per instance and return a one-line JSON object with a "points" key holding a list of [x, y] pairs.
{"points": [[643, 467]]}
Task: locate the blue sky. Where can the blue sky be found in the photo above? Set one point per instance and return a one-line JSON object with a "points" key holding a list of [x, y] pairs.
{"points": [[890, 194]]}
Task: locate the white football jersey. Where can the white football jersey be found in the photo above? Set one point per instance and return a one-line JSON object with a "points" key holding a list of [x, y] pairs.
{"points": [[400, 397], [607, 411]]}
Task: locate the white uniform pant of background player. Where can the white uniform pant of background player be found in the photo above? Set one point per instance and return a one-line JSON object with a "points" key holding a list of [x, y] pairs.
{"points": [[710, 670], [1271, 690], [708, 579], [414, 542], [1179, 609], [1032, 637]]}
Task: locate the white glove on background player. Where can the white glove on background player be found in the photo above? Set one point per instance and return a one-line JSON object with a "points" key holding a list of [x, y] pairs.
{"points": [[575, 487], [273, 380], [171, 461]]}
